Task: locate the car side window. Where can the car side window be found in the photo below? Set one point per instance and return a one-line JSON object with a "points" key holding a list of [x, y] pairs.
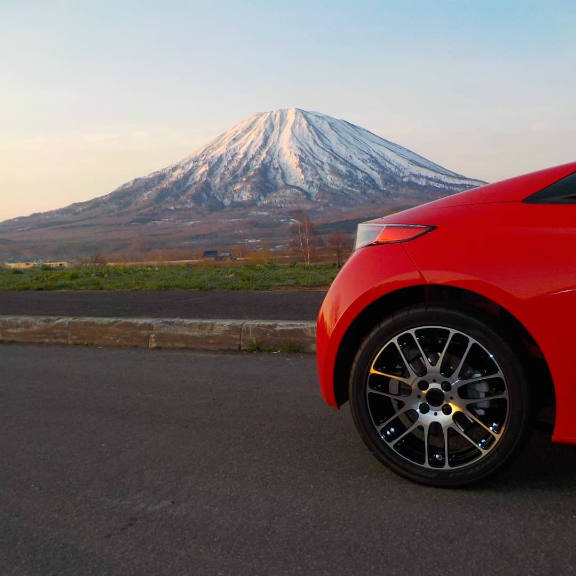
{"points": [[561, 192]]}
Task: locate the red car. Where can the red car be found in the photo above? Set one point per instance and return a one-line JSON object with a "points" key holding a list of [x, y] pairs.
{"points": [[453, 324]]}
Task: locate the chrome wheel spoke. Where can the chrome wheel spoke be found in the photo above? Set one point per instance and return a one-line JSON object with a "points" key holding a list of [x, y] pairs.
{"points": [[409, 430], [471, 440], [435, 456], [391, 376], [463, 434], [426, 443], [464, 356], [387, 394], [383, 425], [446, 448], [407, 349], [425, 359], [487, 399], [459, 383], [481, 424]]}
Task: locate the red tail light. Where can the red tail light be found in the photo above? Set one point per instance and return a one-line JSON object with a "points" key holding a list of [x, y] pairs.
{"points": [[370, 233]]}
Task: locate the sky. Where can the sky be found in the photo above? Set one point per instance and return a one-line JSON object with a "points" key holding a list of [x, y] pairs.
{"points": [[94, 93]]}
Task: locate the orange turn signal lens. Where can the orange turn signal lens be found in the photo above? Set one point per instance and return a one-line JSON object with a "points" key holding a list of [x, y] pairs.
{"points": [[370, 233]]}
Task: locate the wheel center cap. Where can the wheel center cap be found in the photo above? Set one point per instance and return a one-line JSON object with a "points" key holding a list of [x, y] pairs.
{"points": [[435, 397]]}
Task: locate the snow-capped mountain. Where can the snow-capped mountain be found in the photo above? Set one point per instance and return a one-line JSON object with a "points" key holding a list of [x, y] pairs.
{"points": [[270, 164], [286, 159]]}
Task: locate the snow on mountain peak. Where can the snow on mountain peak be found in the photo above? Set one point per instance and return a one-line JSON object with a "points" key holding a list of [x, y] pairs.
{"points": [[306, 155]]}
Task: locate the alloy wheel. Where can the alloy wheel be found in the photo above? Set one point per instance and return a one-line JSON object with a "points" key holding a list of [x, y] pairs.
{"points": [[437, 398]]}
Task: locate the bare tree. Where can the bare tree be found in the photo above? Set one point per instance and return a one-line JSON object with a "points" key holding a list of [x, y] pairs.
{"points": [[340, 244], [99, 260], [304, 236]]}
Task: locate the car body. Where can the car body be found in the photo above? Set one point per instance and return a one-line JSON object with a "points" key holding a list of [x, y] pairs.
{"points": [[494, 269]]}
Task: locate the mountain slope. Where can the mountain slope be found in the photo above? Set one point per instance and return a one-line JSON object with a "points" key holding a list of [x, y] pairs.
{"points": [[270, 164]]}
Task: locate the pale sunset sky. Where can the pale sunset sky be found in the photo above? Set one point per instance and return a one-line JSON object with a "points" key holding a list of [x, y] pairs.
{"points": [[97, 92]]}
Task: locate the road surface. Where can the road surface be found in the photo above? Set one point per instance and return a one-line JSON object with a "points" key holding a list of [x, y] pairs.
{"points": [[241, 304], [135, 462]]}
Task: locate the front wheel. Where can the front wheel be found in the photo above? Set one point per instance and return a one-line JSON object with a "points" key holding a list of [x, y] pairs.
{"points": [[439, 396]]}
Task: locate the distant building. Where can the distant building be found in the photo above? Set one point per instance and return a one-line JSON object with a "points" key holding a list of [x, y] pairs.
{"points": [[215, 255], [210, 255], [31, 263], [21, 264]]}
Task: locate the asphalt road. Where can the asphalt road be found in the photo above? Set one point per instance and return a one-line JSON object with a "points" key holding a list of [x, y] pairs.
{"points": [[218, 304], [136, 462]]}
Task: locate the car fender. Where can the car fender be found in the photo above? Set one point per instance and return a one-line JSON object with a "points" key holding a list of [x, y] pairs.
{"points": [[359, 284]]}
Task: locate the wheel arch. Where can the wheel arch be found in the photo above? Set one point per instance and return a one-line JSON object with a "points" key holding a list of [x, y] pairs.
{"points": [[484, 309]]}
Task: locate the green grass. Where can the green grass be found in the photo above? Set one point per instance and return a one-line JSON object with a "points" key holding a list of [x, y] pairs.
{"points": [[236, 277]]}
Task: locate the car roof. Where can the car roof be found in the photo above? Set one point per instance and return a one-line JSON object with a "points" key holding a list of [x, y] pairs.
{"points": [[511, 190]]}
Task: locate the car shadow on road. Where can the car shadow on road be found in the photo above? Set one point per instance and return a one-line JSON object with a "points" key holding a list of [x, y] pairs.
{"points": [[542, 464]]}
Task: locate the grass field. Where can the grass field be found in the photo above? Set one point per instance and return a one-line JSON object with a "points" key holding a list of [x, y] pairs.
{"points": [[230, 277]]}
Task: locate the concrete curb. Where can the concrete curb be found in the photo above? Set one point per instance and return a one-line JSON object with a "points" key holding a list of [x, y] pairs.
{"points": [[223, 335]]}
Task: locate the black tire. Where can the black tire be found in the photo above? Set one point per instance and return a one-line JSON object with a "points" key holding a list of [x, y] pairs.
{"points": [[439, 396]]}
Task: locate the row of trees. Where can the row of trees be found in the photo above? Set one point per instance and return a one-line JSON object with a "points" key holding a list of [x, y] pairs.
{"points": [[306, 245]]}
